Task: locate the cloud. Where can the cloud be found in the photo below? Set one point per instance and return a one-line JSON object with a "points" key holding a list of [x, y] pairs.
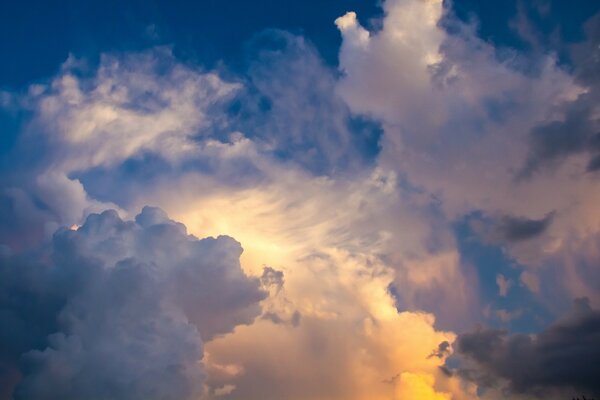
{"points": [[271, 278], [442, 350], [332, 247], [564, 356], [594, 164], [514, 229], [120, 309], [460, 119], [290, 108], [553, 142], [91, 118], [343, 187], [503, 285], [101, 135], [131, 103], [448, 103]]}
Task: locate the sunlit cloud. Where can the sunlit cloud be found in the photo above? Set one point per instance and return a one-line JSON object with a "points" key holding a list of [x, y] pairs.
{"points": [[327, 219]]}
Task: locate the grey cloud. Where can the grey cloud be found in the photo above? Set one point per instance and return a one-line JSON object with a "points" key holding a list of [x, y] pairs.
{"points": [[24, 220], [509, 229], [273, 317], [272, 278], [293, 320], [516, 229], [442, 350], [565, 356], [552, 142], [594, 164], [119, 309]]}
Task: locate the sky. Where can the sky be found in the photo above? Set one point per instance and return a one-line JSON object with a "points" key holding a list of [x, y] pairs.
{"points": [[300, 200]]}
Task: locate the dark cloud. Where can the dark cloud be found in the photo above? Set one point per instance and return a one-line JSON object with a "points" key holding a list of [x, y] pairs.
{"points": [[579, 131], [119, 309], [508, 229], [553, 142], [442, 350], [272, 278], [564, 357], [516, 229], [293, 320], [594, 164]]}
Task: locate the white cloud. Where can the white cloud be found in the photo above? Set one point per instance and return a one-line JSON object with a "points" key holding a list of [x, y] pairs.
{"points": [[133, 103]]}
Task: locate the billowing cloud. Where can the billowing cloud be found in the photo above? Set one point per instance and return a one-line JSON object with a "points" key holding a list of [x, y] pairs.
{"points": [[345, 189], [120, 309]]}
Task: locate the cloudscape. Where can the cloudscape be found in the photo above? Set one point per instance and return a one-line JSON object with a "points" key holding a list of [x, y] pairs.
{"points": [[335, 200]]}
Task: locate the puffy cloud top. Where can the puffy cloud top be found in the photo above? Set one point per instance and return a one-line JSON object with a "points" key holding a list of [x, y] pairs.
{"points": [[126, 305]]}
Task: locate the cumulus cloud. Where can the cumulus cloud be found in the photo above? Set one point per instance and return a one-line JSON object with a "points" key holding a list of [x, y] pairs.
{"points": [[562, 357], [120, 309]]}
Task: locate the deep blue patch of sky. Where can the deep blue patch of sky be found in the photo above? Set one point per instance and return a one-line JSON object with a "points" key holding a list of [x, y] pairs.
{"points": [[37, 35]]}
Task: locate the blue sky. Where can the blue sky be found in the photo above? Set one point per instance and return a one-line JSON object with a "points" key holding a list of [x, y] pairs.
{"points": [[345, 199], [39, 35]]}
